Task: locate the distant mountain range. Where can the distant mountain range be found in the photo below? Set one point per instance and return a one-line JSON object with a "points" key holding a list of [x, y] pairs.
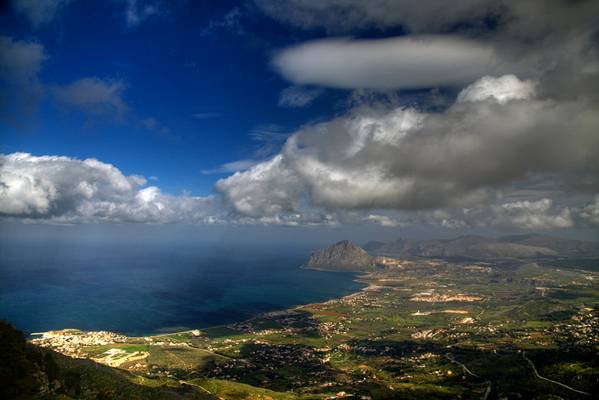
{"points": [[346, 256], [480, 247]]}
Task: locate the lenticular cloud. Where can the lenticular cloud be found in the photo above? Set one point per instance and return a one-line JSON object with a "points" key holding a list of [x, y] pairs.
{"points": [[402, 62]]}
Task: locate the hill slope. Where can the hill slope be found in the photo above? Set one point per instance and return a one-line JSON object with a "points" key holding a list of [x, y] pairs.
{"points": [[480, 247], [30, 372]]}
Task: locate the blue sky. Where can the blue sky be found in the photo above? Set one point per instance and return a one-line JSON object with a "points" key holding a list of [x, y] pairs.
{"points": [[393, 115], [173, 66]]}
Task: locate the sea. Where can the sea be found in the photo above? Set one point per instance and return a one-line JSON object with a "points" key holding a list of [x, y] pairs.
{"points": [[144, 289]]}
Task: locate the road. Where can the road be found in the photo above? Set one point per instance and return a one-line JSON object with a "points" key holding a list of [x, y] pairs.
{"points": [[489, 389], [534, 369], [450, 357]]}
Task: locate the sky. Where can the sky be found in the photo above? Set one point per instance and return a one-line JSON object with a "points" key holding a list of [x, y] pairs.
{"points": [[387, 117]]}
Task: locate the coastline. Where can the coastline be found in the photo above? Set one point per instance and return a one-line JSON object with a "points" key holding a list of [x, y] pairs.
{"points": [[356, 278]]}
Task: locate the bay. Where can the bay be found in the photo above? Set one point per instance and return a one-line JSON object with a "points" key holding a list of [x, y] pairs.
{"points": [[150, 288]]}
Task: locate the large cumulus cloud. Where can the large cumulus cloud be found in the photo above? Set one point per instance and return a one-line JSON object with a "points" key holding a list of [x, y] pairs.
{"points": [[64, 189], [496, 133], [267, 189]]}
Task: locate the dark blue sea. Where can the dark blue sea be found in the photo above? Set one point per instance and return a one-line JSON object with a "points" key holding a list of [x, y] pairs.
{"points": [[153, 288]]}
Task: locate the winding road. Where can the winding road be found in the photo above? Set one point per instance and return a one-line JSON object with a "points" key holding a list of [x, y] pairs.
{"points": [[534, 369], [489, 389]]}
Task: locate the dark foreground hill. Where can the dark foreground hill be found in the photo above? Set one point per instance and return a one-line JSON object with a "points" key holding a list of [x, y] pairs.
{"points": [[30, 372]]}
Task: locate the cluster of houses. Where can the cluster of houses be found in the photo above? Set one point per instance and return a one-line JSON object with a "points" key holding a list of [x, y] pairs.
{"points": [[71, 342]]}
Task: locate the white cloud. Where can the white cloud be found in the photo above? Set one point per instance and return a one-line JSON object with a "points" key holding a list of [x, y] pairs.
{"points": [[61, 189], [502, 89], [531, 215], [267, 189], [40, 12], [98, 96], [591, 212], [297, 96], [383, 220], [400, 62], [64, 189]]}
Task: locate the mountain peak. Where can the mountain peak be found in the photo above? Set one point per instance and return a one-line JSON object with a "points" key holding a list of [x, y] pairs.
{"points": [[342, 256], [345, 243]]}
